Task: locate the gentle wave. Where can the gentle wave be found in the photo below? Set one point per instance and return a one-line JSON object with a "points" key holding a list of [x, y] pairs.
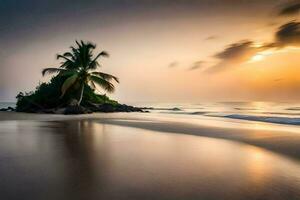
{"points": [[282, 116], [169, 109], [277, 120], [186, 113], [7, 104]]}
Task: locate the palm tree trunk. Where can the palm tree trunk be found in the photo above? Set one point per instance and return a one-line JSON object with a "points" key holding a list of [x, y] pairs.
{"points": [[81, 95]]}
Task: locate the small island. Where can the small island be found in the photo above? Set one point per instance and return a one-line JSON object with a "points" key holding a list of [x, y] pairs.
{"points": [[73, 88]]}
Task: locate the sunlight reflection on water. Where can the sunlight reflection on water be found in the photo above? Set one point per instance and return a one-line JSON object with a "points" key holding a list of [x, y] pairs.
{"points": [[84, 159]]}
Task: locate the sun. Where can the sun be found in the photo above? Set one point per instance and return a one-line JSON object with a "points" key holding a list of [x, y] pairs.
{"points": [[257, 58]]}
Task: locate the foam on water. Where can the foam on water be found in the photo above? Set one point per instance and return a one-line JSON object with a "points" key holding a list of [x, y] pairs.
{"points": [[273, 112], [7, 104]]}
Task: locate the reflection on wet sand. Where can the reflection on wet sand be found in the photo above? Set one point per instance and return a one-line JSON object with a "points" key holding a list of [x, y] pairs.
{"points": [[89, 160]]}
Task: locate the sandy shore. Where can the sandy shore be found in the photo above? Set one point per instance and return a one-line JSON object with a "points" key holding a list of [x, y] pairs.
{"points": [[282, 139], [133, 156]]}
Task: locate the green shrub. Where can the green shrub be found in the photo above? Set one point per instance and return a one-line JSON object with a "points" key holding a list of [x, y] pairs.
{"points": [[48, 96]]}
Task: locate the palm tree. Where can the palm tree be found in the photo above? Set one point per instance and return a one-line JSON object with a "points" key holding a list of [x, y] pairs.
{"points": [[80, 66]]}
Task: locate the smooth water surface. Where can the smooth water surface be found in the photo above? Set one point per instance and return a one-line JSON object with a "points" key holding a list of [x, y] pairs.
{"points": [[90, 160]]}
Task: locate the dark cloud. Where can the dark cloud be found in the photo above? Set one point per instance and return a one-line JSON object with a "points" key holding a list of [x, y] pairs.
{"points": [[288, 35], [235, 54], [173, 64], [239, 51], [290, 9], [196, 65]]}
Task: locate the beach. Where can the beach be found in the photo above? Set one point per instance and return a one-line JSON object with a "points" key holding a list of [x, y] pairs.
{"points": [[146, 156], [150, 100]]}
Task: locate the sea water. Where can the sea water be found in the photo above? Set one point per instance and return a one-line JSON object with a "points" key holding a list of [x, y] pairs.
{"points": [[7, 104], [274, 112]]}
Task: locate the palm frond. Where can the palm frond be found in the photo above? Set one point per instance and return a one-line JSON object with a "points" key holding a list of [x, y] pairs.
{"points": [[92, 84], [69, 54], [106, 85], [68, 73], [58, 56], [68, 65], [52, 71], [74, 50], [68, 83], [106, 76], [79, 45], [90, 46], [93, 64], [102, 53]]}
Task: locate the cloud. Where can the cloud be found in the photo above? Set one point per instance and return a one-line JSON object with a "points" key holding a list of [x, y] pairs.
{"points": [[290, 9], [196, 65], [235, 54], [288, 35], [212, 37], [239, 52], [173, 64]]}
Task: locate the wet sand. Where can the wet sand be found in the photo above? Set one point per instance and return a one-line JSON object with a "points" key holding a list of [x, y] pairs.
{"points": [[137, 156]]}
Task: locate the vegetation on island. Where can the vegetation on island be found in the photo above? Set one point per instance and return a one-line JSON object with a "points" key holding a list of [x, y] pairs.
{"points": [[73, 88]]}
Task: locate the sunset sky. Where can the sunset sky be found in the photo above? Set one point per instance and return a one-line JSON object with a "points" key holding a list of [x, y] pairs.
{"points": [[162, 50]]}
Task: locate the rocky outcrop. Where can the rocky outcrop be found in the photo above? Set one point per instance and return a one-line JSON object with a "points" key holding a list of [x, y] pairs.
{"points": [[105, 108], [75, 109], [115, 108], [7, 109]]}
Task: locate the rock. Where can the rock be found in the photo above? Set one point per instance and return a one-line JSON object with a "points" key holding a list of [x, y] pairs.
{"points": [[106, 108], [60, 111], [7, 109], [170, 109], [116, 108], [73, 102], [147, 108], [87, 108], [126, 108], [72, 110], [52, 111], [10, 109]]}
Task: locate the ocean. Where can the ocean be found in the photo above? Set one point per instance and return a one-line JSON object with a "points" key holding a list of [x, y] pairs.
{"points": [[177, 151], [7, 104], [273, 112]]}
